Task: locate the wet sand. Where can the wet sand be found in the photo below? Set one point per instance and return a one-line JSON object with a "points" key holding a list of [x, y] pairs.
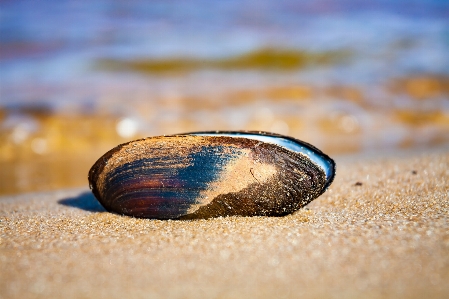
{"points": [[380, 231]]}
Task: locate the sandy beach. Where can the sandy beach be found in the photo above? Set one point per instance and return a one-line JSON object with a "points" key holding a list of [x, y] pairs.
{"points": [[380, 231]]}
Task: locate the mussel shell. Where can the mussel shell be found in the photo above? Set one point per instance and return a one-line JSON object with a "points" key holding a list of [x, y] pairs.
{"points": [[207, 174]]}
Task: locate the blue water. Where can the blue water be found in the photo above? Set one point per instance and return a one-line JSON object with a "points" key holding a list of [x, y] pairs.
{"points": [[48, 52]]}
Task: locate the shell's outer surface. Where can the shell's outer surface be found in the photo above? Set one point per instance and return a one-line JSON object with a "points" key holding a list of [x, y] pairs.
{"points": [[194, 176]]}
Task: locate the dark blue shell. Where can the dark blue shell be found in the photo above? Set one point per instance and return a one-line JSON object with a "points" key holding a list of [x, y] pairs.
{"points": [[210, 174]]}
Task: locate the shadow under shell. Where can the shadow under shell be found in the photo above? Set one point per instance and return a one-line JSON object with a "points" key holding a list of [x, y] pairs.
{"points": [[194, 176]]}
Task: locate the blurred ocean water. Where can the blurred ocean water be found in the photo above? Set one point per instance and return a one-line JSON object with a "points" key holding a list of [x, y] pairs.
{"points": [[55, 42], [78, 77]]}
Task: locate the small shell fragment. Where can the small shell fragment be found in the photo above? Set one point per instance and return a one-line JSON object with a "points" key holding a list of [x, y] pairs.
{"points": [[210, 174]]}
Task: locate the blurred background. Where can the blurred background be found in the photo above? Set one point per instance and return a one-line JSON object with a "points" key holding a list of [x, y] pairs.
{"points": [[349, 76]]}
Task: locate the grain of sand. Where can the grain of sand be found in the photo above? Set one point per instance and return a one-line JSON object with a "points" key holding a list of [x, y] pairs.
{"points": [[380, 231]]}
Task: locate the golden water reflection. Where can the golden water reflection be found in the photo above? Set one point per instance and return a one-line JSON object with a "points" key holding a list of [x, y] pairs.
{"points": [[42, 149]]}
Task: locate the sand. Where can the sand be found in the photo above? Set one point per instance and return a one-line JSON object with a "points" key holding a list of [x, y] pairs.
{"points": [[380, 231]]}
